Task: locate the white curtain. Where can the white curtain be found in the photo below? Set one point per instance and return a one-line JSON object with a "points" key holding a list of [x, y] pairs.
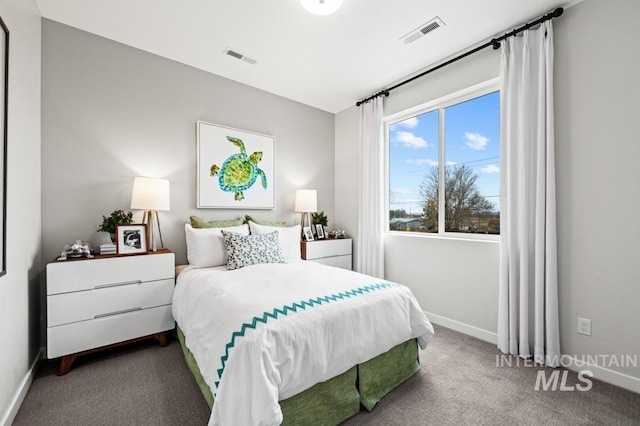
{"points": [[370, 257], [528, 294]]}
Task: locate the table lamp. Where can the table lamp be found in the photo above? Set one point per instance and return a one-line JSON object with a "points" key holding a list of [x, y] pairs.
{"points": [[306, 202], [151, 195]]}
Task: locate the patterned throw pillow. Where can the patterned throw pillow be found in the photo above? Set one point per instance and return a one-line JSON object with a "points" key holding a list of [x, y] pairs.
{"points": [[289, 238], [245, 250]]}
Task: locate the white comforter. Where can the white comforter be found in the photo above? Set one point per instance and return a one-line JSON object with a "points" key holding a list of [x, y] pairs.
{"points": [[287, 350]]}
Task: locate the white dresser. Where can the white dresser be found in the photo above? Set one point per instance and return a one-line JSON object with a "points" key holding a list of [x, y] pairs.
{"points": [[332, 252], [107, 300]]}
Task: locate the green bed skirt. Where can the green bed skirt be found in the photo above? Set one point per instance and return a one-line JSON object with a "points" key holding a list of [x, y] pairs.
{"points": [[337, 399]]}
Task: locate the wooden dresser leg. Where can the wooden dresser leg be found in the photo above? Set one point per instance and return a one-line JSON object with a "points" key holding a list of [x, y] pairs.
{"points": [[161, 338], [65, 364]]}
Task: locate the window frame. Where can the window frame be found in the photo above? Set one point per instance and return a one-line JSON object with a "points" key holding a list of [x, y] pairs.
{"points": [[439, 104]]}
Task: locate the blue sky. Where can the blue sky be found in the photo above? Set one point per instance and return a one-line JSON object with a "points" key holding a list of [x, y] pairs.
{"points": [[472, 137]]}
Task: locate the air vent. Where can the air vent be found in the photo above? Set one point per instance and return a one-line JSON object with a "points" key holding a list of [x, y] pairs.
{"points": [[240, 56], [432, 26], [422, 30]]}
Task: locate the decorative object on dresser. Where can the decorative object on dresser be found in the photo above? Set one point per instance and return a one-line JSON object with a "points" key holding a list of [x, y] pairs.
{"points": [[117, 217], [97, 303], [76, 250], [235, 168], [320, 221], [4, 73], [332, 252], [108, 248], [132, 239], [319, 218], [338, 233], [306, 203], [308, 234], [151, 195]]}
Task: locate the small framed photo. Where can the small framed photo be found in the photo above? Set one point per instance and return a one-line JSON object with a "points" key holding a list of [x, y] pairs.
{"points": [[132, 239], [308, 235], [319, 231]]}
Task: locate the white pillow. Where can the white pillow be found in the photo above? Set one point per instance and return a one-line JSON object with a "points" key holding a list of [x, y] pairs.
{"points": [[289, 238], [205, 246]]}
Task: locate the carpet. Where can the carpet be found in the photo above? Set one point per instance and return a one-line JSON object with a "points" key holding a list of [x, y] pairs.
{"points": [[459, 384]]}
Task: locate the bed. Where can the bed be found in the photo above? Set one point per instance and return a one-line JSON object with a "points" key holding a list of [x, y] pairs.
{"points": [[290, 341]]}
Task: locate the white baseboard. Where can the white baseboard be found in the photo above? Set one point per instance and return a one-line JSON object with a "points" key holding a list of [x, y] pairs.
{"points": [[16, 402], [601, 373], [606, 375], [471, 330]]}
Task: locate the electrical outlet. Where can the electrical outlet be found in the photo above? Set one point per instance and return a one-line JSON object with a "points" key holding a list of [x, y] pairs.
{"points": [[584, 326]]}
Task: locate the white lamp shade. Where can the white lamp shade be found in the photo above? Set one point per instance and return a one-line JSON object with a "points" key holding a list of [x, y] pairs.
{"points": [[321, 7], [306, 200], [150, 194]]}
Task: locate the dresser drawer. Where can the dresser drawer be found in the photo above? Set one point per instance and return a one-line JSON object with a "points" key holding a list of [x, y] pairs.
{"points": [[337, 261], [89, 304], [77, 275], [80, 336], [326, 248]]}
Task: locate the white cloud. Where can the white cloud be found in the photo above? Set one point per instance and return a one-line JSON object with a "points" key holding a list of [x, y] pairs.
{"points": [[410, 140], [476, 140], [409, 122], [403, 191], [421, 161], [451, 163], [491, 168]]}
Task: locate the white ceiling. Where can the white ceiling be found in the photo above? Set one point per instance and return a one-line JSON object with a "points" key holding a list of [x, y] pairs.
{"points": [[328, 62]]}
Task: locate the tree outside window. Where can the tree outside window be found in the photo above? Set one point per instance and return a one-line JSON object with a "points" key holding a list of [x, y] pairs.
{"points": [[456, 143]]}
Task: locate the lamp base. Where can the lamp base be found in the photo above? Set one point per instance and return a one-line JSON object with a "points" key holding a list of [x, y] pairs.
{"points": [[147, 218], [302, 216]]}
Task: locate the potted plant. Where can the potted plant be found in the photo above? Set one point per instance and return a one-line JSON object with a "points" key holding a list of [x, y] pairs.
{"points": [[319, 218], [117, 217]]}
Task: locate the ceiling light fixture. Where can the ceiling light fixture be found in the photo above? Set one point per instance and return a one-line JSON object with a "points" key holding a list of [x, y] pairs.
{"points": [[321, 7]]}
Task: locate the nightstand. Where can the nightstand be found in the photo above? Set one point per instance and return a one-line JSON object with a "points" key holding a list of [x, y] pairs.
{"points": [[107, 301], [331, 251]]}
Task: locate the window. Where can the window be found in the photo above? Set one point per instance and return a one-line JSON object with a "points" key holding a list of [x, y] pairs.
{"points": [[446, 153]]}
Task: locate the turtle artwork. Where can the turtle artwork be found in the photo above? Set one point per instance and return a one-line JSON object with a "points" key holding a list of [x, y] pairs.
{"points": [[239, 172]]}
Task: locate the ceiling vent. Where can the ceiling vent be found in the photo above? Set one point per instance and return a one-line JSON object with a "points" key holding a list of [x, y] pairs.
{"points": [[240, 56], [422, 30]]}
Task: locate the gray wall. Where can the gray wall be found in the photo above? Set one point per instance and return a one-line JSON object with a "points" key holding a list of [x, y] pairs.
{"points": [[597, 148], [596, 91], [112, 112], [20, 291]]}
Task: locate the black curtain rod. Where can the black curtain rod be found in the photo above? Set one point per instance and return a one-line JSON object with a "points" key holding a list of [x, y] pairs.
{"points": [[495, 43]]}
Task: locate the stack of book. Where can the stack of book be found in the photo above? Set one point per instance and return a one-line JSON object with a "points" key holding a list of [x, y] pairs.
{"points": [[108, 248]]}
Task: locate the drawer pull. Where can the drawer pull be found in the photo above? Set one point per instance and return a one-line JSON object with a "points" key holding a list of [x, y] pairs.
{"points": [[125, 311], [97, 287]]}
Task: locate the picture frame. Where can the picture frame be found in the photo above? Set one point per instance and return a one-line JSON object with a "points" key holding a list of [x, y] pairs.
{"points": [[308, 235], [252, 158], [132, 239], [4, 105], [319, 231]]}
